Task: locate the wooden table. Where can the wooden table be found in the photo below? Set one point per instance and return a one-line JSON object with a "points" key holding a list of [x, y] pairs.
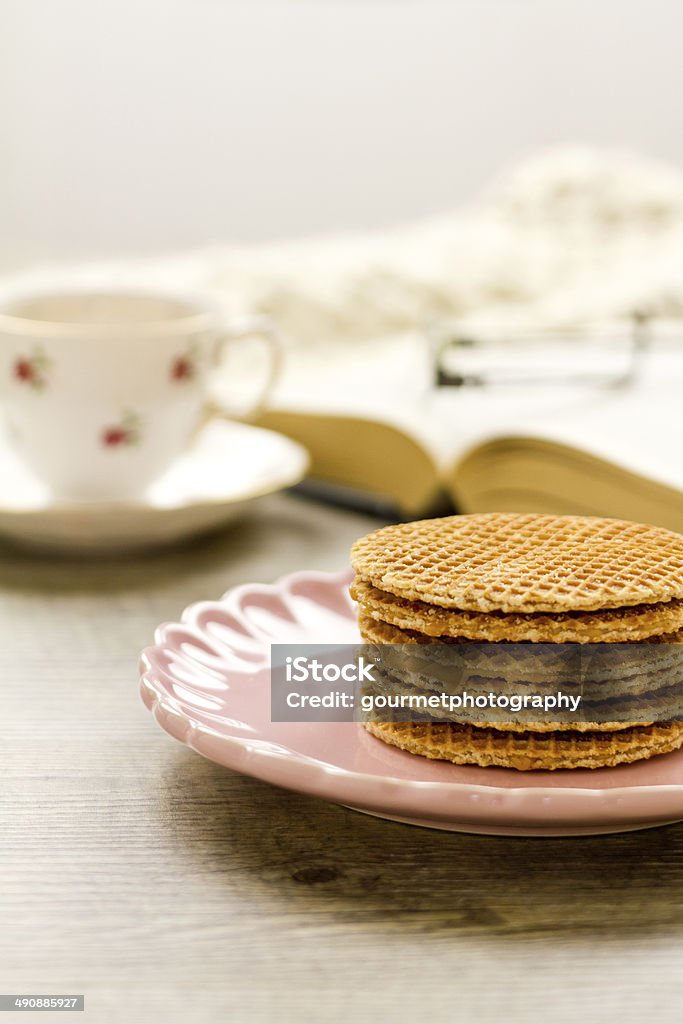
{"points": [[168, 889]]}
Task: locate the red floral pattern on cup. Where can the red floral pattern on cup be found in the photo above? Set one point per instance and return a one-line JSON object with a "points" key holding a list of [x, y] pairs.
{"points": [[31, 371], [184, 367], [122, 434]]}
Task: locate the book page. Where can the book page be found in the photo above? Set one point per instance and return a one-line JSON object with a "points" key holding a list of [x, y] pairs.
{"points": [[638, 427]]}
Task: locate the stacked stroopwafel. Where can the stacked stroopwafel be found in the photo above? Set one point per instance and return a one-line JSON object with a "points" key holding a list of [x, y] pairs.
{"points": [[524, 579]]}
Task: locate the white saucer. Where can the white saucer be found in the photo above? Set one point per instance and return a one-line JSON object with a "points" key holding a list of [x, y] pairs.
{"points": [[228, 466]]}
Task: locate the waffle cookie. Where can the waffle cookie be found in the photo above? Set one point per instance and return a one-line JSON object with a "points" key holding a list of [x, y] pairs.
{"points": [[638, 622], [608, 715], [504, 579], [523, 563], [601, 674], [526, 751]]}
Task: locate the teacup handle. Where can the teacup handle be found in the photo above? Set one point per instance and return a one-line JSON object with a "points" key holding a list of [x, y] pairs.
{"points": [[265, 329]]}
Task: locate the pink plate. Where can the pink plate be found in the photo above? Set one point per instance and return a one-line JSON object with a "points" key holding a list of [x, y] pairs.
{"points": [[206, 679]]}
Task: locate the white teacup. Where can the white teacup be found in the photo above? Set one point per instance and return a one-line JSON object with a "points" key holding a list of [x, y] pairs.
{"points": [[102, 391]]}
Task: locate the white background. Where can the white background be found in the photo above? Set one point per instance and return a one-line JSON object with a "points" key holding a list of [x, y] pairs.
{"points": [[145, 124]]}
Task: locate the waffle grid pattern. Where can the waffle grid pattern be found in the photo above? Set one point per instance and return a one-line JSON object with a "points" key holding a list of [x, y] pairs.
{"points": [[652, 664], [638, 622], [526, 751], [523, 563], [382, 632]]}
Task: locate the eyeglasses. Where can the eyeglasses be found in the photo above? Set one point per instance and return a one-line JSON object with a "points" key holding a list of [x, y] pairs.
{"points": [[600, 355]]}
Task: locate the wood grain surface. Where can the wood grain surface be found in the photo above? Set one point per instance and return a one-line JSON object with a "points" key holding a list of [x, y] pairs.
{"points": [[168, 889]]}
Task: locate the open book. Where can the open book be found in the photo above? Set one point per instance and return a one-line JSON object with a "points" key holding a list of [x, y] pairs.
{"points": [[592, 451]]}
